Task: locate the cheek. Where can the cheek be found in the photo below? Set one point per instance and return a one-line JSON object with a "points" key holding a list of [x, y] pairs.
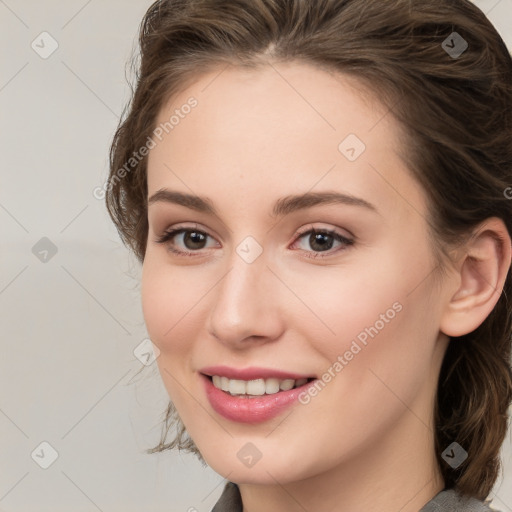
{"points": [[379, 315], [388, 365], [170, 295], [345, 303], [168, 299]]}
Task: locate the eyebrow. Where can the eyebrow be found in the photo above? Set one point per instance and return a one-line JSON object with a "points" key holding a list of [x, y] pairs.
{"points": [[282, 206]]}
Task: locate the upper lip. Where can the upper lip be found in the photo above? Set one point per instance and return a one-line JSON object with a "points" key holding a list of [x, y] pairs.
{"points": [[251, 373]]}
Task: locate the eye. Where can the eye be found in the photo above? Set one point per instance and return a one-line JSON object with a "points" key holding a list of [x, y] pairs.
{"points": [[193, 239], [323, 240]]}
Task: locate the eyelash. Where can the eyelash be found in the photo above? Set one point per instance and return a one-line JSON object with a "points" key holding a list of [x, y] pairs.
{"points": [[169, 235]]}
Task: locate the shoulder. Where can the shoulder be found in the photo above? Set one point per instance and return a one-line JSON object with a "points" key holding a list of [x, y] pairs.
{"points": [[230, 500], [450, 500], [447, 500]]}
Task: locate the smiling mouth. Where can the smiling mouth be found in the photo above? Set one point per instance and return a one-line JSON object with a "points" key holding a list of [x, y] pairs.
{"points": [[256, 388]]}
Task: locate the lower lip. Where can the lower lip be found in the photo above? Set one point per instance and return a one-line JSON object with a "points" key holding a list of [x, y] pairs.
{"points": [[251, 410]]}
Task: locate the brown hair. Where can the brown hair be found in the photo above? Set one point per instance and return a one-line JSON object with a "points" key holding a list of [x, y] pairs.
{"points": [[456, 112]]}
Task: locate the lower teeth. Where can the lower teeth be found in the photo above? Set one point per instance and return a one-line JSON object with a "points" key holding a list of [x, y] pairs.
{"points": [[254, 396]]}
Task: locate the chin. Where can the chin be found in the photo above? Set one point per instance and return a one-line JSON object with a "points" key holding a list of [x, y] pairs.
{"points": [[255, 471]]}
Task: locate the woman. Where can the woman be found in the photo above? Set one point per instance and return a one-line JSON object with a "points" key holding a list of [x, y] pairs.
{"points": [[318, 194]]}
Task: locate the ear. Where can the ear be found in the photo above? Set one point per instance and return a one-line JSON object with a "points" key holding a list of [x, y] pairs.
{"points": [[481, 273]]}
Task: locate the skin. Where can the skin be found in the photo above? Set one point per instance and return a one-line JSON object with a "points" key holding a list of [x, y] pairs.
{"points": [[365, 442]]}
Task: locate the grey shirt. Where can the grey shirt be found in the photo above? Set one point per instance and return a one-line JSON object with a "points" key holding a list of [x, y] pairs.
{"points": [[447, 500]]}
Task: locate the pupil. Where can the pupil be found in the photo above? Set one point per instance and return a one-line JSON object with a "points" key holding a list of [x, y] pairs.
{"points": [[195, 239], [322, 239]]}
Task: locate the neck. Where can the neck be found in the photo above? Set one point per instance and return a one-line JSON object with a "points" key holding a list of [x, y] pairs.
{"points": [[396, 472]]}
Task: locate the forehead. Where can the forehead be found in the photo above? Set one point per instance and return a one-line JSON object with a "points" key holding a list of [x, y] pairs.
{"points": [[280, 128]]}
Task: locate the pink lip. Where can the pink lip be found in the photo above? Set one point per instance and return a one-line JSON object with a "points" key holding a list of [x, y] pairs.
{"points": [[251, 410], [251, 373]]}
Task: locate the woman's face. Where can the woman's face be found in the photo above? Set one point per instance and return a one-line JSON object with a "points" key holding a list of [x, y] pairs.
{"points": [[250, 293]]}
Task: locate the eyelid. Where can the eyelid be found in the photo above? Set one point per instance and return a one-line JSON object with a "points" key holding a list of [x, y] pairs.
{"points": [[170, 233], [180, 227], [302, 231], [345, 241], [310, 228]]}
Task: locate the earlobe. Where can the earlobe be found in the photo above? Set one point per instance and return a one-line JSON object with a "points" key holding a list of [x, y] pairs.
{"points": [[481, 277]]}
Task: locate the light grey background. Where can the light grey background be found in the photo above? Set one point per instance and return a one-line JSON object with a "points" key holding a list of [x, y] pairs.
{"points": [[69, 326]]}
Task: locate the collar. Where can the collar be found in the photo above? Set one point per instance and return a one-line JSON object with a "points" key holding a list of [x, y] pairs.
{"points": [[447, 500]]}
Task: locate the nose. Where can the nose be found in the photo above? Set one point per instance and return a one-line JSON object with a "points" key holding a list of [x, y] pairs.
{"points": [[246, 308]]}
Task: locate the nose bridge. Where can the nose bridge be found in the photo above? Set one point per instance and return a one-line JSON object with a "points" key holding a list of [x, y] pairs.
{"points": [[246, 302]]}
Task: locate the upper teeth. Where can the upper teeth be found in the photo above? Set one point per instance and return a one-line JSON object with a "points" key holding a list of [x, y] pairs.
{"points": [[256, 387]]}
